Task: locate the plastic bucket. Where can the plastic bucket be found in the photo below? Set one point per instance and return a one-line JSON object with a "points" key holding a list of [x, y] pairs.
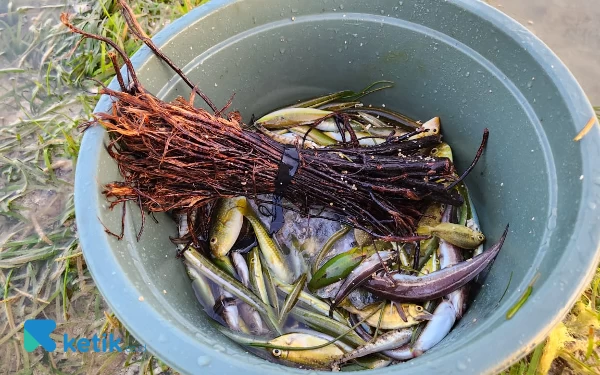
{"points": [[461, 60]]}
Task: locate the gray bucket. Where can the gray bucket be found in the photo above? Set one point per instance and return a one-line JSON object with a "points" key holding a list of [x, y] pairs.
{"points": [[460, 60]]}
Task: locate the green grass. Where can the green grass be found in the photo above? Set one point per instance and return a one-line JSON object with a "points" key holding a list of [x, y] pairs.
{"points": [[46, 92], [573, 344]]}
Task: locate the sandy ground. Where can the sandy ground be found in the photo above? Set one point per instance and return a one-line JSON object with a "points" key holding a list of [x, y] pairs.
{"points": [[570, 29]]}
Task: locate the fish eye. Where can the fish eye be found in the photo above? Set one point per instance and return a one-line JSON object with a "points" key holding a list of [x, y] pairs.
{"points": [[277, 352], [434, 151], [213, 240], [481, 236], [419, 308]]}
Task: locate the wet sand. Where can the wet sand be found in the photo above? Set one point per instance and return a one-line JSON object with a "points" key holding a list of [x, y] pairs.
{"points": [[570, 28]]}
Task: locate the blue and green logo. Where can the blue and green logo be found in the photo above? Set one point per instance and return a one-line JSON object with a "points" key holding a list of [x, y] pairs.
{"points": [[37, 332]]}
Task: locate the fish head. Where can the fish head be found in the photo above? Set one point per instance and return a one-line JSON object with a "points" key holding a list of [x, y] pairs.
{"points": [[432, 126], [220, 245], [478, 236], [300, 340], [418, 312], [228, 222], [280, 353]]}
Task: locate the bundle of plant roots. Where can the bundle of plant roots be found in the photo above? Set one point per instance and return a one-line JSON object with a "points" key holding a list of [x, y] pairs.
{"points": [[175, 156]]}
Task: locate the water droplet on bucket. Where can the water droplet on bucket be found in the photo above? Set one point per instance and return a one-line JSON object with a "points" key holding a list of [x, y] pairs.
{"points": [[282, 50], [203, 361], [467, 74], [461, 366], [219, 348]]}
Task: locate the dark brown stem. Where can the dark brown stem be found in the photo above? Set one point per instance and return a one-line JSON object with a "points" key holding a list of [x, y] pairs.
{"points": [[486, 134], [137, 30], [115, 63], [64, 18]]}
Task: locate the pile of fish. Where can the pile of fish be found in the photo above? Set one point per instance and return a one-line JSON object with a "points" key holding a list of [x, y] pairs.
{"points": [[319, 295]]}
